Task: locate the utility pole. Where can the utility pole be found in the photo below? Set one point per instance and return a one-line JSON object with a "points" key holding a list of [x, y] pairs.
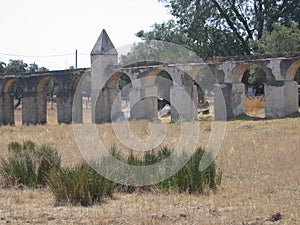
{"points": [[76, 59]]}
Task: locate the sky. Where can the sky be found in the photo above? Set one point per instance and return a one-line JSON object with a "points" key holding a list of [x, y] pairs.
{"points": [[48, 32]]}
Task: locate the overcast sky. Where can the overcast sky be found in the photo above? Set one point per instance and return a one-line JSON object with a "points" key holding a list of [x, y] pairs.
{"points": [[34, 30]]}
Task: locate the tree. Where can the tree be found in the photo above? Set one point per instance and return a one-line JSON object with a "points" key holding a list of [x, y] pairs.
{"points": [[2, 67], [281, 39], [19, 67], [32, 68], [218, 27], [15, 67]]}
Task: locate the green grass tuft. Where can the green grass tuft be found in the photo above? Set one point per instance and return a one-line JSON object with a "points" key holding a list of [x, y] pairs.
{"points": [[80, 185], [28, 164]]}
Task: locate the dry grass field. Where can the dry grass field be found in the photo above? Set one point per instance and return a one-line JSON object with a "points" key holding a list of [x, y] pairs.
{"points": [[260, 160]]}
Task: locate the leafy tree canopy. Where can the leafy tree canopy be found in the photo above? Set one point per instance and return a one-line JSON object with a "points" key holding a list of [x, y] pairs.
{"points": [[281, 39], [215, 27], [19, 67]]}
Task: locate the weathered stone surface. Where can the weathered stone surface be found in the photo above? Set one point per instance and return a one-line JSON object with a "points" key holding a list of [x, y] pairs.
{"points": [[104, 46], [281, 98], [223, 101], [143, 103], [238, 99], [34, 108], [108, 105], [184, 100]]}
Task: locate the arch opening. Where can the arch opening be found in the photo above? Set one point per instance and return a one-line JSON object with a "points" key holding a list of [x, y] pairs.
{"points": [[254, 79], [46, 104], [112, 100], [205, 81], [163, 82], [83, 92], [124, 85], [12, 98], [51, 90]]}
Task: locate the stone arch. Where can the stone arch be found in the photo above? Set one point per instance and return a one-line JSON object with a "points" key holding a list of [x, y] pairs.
{"points": [[76, 81], [8, 85], [183, 88], [240, 70], [292, 70], [7, 109], [108, 105], [291, 74], [112, 82], [255, 90], [34, 102], [42, 83], [122, 82], [45, 99]]}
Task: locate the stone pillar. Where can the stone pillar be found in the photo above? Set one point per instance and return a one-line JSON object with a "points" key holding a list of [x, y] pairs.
{"points": [[184, 100], [34, 108], [8, 116], [281, 98], [143, 103], [238, 99], [64, 104], [42, 107], [77, 108], [222, 101], [106, 100], [229, 101]]}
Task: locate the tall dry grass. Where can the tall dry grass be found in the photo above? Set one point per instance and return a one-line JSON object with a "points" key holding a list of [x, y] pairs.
{"points": [[260, 161], [253, 104]]}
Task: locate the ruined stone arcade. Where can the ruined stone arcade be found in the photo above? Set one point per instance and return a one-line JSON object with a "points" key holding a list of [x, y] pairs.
{"points": [[281, 90]]}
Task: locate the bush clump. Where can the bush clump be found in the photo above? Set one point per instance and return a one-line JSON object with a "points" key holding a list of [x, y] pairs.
{"points": [[187, 179], [79, 185], [39, 166], [29, 164], [190, 179]]}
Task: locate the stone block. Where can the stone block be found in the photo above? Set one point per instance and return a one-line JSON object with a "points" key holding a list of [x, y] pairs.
{"points": [[107, 106], [143, 103], [281, 98], [184, 100]]}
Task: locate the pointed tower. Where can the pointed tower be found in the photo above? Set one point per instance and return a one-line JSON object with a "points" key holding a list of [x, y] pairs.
{"points": [[104, 46], [104, 57]]}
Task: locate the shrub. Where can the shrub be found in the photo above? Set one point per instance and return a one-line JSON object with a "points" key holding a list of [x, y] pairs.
{"points": [[28, 164], [187, 179], [79, 185], [190, 179]]}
